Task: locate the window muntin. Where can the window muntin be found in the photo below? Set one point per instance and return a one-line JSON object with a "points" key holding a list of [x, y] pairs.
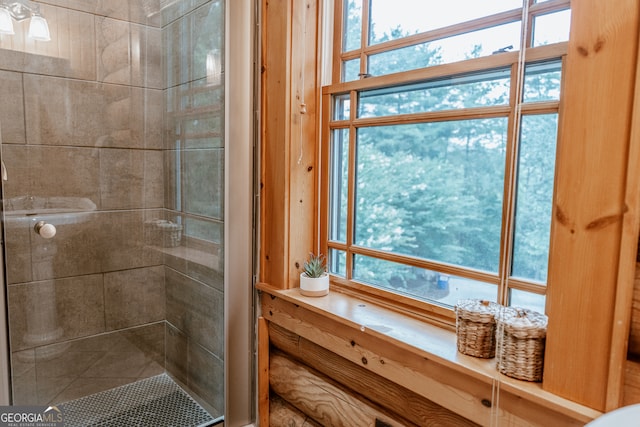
{"points": [[387, 24], [398, 41], [445, 51], [351, 70], [551, 28], [528, 300], [418, 282], [536, 166], [387, 105], [339, 185], [542, 82], [489, 88], [337, 262], [352, 25]]}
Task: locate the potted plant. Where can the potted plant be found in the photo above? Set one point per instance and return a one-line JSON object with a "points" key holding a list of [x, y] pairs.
{"points": [[314, 279]]}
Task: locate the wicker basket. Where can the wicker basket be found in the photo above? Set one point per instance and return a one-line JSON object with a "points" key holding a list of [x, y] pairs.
{"points": [[476, 327], [521, 338]]}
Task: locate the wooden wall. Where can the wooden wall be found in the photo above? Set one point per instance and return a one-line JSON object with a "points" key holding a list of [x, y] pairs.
{"points": [[597, 208], [632, 371], [336, 373]]}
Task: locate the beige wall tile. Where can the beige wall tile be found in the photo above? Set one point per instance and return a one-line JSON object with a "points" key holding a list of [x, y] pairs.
{"points": [[129, 54], [172, 10], [54, 172], [11, 109], [134, 297], [206, 376], [188, 40], [23, 377], [121, 244], [141, 11], [71, 112], [70, 53], [177, 354], [196, 310], [51, 311]]}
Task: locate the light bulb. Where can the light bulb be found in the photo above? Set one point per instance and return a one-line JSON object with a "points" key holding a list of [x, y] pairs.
{"points": [[39, 29], [6, 24]]}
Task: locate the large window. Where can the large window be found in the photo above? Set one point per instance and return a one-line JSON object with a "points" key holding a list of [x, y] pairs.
{"points": [[440, 145]]}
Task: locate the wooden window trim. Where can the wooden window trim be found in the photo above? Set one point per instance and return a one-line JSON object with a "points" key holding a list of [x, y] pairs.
{"points": [[430, 310]]}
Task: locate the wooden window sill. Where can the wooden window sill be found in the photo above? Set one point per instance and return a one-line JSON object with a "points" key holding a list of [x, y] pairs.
{"points": [[427, 341]]}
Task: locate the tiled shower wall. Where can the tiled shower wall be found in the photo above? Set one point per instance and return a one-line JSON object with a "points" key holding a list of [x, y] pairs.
{"points": [[116, 120]]}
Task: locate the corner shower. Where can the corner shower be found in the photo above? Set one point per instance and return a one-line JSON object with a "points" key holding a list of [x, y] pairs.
{"points": [[113, 142]]}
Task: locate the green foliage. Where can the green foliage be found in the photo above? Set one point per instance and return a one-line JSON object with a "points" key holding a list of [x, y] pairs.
{"points": [[435, 190], [315, 266]]}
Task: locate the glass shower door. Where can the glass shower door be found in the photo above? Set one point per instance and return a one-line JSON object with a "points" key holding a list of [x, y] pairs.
{"points": [[112, 134]]}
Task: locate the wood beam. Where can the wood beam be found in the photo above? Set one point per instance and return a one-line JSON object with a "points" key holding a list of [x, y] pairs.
{"points": [[589, 206], [289, 139]]}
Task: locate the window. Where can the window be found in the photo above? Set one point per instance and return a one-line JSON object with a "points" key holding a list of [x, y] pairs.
{"points": [[440, 149]]}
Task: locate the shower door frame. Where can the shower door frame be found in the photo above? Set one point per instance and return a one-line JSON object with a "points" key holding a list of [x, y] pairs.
{"points": [[239, 316]]}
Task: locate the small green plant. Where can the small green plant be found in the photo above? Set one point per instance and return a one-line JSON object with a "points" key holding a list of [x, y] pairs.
{"points": [[315, 266]]}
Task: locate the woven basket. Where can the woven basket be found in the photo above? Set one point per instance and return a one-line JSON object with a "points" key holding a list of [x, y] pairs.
{"points": [[521, 338], [476, 327]]}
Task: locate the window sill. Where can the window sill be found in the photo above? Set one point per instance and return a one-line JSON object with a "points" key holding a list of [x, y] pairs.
{"points": [[427, 341]]}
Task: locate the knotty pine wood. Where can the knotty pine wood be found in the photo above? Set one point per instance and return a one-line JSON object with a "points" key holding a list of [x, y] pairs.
{"points": [[631, 383], [589, 205], [379, 390], [322, 399], [633, 352], [464, 391], [284, 414], [275, 140], [263, 373], [289, 138]]}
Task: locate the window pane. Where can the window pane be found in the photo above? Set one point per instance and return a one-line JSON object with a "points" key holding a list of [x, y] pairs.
{"points": [[353, 25], [444, 51], [536, 167], [391, 20], [339, 185], [341, 107], [551, 28], [350, 70], [542, 82], [477, 90], [419, 282], [535, 302], [433, 190], [338, 262]]}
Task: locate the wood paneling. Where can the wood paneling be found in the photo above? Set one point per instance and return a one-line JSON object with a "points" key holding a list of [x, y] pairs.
{"points": [[589, 205], [285, 414], [263, 373], [377, 389], [323, 399], [466, 392], [289, 139]]}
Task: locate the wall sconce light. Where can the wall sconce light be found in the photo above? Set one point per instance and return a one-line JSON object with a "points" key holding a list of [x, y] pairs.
{"points": [[20, 10]]}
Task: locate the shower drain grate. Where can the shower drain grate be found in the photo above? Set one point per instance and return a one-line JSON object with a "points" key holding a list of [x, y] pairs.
{"points": [[153, 402]]}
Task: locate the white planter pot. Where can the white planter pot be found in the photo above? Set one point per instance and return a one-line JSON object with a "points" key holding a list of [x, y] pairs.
{"points": [[314, 286]]}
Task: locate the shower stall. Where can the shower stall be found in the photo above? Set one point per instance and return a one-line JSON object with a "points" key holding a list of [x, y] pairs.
{"points": [[123, 159]]}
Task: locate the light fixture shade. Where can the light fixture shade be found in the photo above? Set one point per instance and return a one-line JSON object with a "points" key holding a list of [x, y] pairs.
{"points": [[6, 24], [39, 29]]}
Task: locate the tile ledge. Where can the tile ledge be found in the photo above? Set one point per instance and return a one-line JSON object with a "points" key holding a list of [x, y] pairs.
{"points": [[425, 340]]}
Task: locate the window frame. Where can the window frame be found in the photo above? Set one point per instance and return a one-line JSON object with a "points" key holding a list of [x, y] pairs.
{"points": [[512, 59]]}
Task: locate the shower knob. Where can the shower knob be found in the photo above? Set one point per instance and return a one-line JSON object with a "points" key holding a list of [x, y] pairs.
{"points": [[47, 231]]}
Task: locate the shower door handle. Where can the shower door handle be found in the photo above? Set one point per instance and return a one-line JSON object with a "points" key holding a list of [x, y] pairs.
{"points": [[45, 230]]}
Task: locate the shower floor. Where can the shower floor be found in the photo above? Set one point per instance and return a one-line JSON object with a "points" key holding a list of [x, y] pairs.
{"points": [[154, 402]]}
